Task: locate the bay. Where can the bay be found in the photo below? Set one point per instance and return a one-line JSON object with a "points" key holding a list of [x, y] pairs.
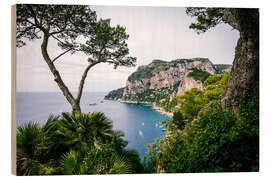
{"points": [[139, 122]]}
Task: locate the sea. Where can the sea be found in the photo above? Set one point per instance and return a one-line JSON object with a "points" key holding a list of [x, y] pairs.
{"points": [[140, 123]]}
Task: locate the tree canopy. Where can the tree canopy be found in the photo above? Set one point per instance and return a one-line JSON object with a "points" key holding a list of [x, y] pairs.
{"points": [[75, 28], [206, 17], [62, 22]]}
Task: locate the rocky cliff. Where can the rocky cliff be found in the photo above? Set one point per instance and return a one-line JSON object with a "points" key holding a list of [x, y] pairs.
{"points": [[161, 74], [115, 94], [160, 81], [188, 83]]}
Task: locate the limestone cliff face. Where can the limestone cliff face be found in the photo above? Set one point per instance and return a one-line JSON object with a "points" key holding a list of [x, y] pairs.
{"points": [[161, 74], [160, 81], [188, 83]]}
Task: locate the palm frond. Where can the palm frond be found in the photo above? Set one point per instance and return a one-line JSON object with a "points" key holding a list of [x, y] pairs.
{"points": [[120, 166], [70, 162]]}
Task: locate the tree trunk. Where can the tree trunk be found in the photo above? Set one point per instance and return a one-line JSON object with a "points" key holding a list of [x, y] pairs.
{"points": [[244, 79], [83, 80], [57, 78]]}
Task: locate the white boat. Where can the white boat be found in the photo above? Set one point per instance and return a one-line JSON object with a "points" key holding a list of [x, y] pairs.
{"points": [[92, 104]]}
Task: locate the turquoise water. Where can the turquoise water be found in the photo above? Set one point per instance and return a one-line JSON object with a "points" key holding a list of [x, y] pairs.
{"points": [[139, 122]]}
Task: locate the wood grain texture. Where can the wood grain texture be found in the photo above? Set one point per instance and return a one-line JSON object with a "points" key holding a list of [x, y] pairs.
{"points": [[13, 89]]}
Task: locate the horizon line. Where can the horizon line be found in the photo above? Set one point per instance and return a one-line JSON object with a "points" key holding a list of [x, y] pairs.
{"points": [[59, 91]]}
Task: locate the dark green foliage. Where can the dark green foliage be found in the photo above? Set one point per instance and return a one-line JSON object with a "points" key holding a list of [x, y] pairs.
{"points": [[134, 159], [28, 140], [176, 123], [96, 161], [141, 74], [28, 137], [191, 103], [247, 142], [212, 139], [218, 141], [108, 45], [70, 162], [198, 74], [74, 144], [115, 94], [178, 120], [206, 18]]}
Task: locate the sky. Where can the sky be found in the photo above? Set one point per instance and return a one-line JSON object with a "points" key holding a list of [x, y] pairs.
{"points": [[154, 33]]}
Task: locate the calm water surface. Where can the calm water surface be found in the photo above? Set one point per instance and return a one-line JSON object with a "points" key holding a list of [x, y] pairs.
{"points": [[140, 123]]}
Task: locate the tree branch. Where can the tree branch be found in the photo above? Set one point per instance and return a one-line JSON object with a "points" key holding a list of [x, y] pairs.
{"points": [[56, 32], [83, 80], [34, 15], [61, 55], [57, 76], [56, 38], [20, 32], [42, 16], [37, 23]]}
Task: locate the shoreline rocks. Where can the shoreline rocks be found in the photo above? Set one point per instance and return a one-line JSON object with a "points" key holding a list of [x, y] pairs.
{"points": [[162, 111], [154, 107]]}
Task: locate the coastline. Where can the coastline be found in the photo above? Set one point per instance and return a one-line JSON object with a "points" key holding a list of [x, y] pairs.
{"points": [[162, 111], [134, 102], [154, 107]]}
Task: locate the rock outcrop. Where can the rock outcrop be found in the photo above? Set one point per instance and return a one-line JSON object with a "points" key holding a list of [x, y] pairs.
{"points": [[162, 78], [160, 81], [161, 74], [188, 83], [115, 94]]}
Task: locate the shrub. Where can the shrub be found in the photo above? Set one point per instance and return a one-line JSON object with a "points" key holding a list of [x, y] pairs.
{"points": [[28, 139], [198, 74], [178, 120], [215, 86], [190, 103], [218, 80], [217, 141], [74, 144], [212, 92]]}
